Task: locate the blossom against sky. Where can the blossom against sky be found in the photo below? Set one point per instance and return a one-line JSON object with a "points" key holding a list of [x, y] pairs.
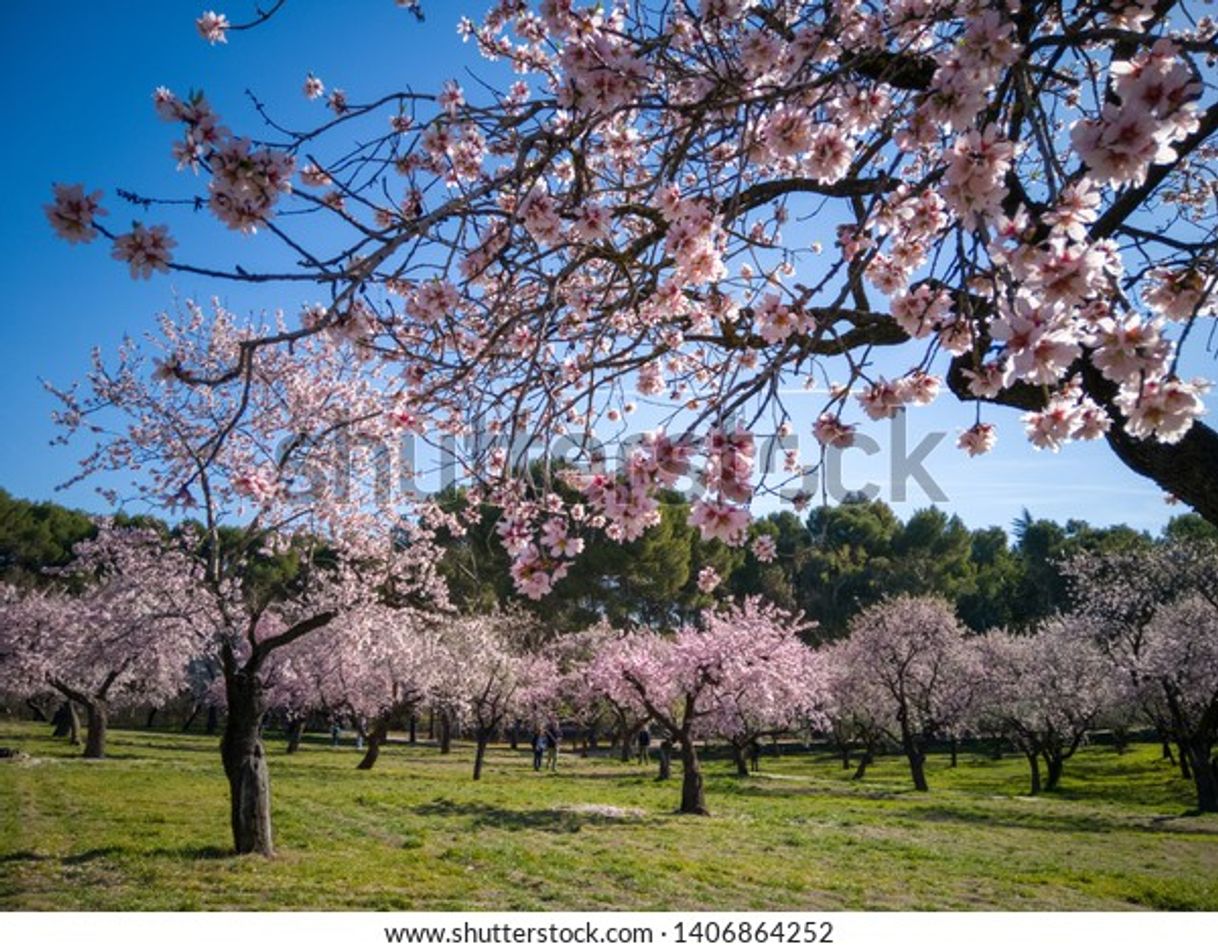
{"points": [[86, 115]]}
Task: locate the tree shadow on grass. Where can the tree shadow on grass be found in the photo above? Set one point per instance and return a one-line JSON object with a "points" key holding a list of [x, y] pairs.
{"points": [[191, 852], [562, 820], [22, 856], [1048, 822]]}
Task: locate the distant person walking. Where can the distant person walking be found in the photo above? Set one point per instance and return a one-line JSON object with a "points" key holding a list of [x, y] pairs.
{"points": [[644, 745], [553, 739], [539, 748]]}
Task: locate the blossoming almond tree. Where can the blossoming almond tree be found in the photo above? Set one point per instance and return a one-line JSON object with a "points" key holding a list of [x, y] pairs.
{"points": [[695, 684], [117, 641], [379, 668], [912, 652], [253, 458], [1180, 665], [786, 690], [1018, 197], [1045, 691]]}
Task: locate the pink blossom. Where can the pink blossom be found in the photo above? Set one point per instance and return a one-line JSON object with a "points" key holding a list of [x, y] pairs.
{"points": [[144, 249], [719, 520], [314, 88], [72, 213], [978, 439], [213, 27], [765, 548]]}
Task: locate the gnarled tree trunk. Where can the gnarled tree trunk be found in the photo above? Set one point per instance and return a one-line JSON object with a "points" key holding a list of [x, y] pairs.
{"points": [[692, 798], [1034, 764], [483, 737], [376, 737], [1055, 762], [446, 733], [742, 766], [915, 756], [249, 782], [295, 733], [97, 719], [1204, 777]]}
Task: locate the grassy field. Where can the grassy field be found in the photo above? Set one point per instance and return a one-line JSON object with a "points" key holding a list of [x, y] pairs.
{"points": [[147, 829]]}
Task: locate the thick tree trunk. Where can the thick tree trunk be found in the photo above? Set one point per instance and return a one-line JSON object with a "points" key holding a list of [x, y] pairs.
{"points": [[249, 782], [864, 762], [1055, 764], [742, 767], [1204, 778], [626, 749], [213, 719], [916, 758], [97, 718], [1167, 754], [1034, 764], [446, 733], [414, 728], [483, 738], [845, 752], [1186, 768], [295, 732], [73, 725], [376, 737], [692, 798], [955, 746], [150, 719]]}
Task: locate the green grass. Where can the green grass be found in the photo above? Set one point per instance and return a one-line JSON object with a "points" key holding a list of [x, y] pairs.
{"points": [[147, 829]]}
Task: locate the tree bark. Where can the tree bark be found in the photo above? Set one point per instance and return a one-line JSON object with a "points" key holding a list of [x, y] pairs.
{"points": [[864, 762], [1055, 764], [446, 733], [1204, 777], [376, 737], [1034, 764], [845, 751], [190, 718], [150, 719], [295, 732], [414, 728], [97, 719], [483, 738], [955, 745], [742, 767], [249, 782], [915, 756], [39, 714], [213, 719], [693, 800], [1186, 771]]}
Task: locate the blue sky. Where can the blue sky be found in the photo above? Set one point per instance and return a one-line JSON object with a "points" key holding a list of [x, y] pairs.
{"points": [[78, 109]]}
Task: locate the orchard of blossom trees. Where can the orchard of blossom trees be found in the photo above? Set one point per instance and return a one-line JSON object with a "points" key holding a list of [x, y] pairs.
{"points": [[687, 207], [127, 620]]}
